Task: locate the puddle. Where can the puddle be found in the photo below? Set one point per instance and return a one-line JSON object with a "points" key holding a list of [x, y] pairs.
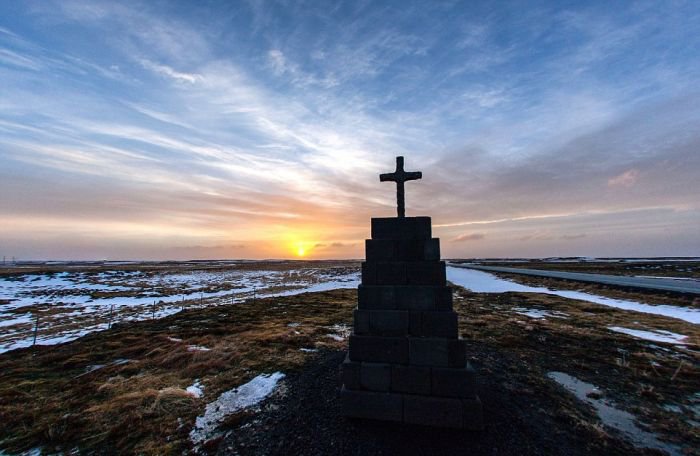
{"points": [[611, 416]]}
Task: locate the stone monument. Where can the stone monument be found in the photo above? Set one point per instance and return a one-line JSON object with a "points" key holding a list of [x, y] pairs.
{"points": [[406, 362]]}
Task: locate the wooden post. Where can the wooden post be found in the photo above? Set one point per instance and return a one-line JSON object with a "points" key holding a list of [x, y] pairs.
{"points": [[111, 311], [36, 329], [153, 314]]}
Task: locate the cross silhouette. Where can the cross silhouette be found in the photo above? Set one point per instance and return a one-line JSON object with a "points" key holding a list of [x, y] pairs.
{"points": [[400, 176]]}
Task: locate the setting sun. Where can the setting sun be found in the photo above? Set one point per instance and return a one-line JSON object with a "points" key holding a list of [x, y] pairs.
{"points": [[301, 251]]}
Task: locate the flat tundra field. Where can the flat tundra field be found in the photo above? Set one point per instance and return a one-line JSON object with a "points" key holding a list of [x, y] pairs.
{"points": [[242, 358]]}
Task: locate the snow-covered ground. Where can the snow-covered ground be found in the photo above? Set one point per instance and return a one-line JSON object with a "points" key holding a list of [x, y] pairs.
{"points": [[483, 282], [539, 313], [69, 305], [230, 402], [656, 335]]}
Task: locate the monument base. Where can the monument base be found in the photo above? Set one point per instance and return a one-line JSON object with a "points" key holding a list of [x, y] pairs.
{"points": [[448, 412]]}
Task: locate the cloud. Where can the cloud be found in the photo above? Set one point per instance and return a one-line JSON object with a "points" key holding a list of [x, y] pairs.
{"points": [[12, 58], [333, 245], [171, 73], [277, 61], [626, 179], [469, 237], [572, 237]]}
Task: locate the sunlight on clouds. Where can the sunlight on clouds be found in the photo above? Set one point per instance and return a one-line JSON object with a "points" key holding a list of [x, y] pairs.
{"points": [[265, 129]]}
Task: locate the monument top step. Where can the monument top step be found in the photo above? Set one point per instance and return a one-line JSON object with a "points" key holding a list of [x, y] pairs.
{"points": [[401, 228]]}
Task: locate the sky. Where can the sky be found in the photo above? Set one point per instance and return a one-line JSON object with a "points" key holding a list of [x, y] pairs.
{"points": [[258, 129]]}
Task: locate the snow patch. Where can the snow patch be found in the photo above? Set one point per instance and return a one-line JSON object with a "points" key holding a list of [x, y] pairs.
{"points": [[539, 313], [196, 389], [341, 332], [200, 348], [232, 401], [656, 335], [483, 282]]}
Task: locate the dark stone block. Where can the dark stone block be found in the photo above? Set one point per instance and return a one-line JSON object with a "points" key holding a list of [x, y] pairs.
{"points": [[411, 379], [415, 298], [388, 322], [415, 323], [375, 376], [350, 374], [398, 250], [391, 273], [380, 250], [405, 228], [371, 405], [451, 382], [379, 349], [457, 353], [428, 352], [431, 249], [438, 324], [361, 321], [433, 411], [426, 273], [369, 273], [443, 298], [376, 297], [409, 250], [473, 415]]}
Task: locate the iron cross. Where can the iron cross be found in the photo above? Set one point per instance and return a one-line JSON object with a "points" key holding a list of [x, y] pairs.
{"points": [[400, 176]]}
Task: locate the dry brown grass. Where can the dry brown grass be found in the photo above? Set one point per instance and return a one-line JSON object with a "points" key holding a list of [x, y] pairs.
{"points": [[582, 346], [47, 399]]}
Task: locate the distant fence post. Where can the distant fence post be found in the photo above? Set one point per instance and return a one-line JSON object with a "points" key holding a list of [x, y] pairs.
{"points": [[36, 330], [111, 312], [153, 312]]}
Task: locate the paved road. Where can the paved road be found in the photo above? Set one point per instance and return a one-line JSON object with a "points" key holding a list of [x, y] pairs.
{"points": [[675, 285]]}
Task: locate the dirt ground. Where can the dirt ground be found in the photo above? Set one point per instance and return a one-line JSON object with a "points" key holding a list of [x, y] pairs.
{"points": [[56, 398]]}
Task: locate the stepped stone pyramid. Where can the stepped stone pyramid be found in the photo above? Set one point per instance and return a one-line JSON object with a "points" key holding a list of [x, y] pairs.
{"points": [[406, 362]]}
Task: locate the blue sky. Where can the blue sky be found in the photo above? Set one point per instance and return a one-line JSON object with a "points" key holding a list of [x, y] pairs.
{"points": [[250, 129]]}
